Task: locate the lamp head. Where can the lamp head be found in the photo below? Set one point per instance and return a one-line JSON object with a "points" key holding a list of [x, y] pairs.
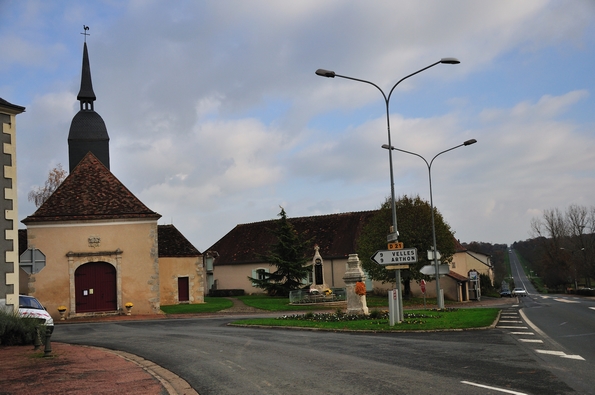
{"points": [[325, 73], [469, 142], [450, 61]]}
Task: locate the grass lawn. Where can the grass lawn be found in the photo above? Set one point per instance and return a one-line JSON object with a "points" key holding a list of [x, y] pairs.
{"points": [[211, 305], [449, 319], [268, 303]]}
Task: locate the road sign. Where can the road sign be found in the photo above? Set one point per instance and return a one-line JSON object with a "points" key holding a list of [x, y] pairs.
{"points": [[431, 255], [396, 267], [422, 285], [32, 261], [396, 246], [392, 257], [430, 270]]}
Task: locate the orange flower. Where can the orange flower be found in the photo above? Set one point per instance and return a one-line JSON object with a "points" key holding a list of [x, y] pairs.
{"points": [[360, 288]]}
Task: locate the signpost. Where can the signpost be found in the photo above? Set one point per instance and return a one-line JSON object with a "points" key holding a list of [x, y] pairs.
{"points": [[430, 270], [422, 285], [392, 257], [395, 258]]}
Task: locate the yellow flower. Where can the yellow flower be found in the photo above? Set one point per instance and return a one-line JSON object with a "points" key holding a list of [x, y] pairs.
{"points": [[129, 304], [61, 308]]}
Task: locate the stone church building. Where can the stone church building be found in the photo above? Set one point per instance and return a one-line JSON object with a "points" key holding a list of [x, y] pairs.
{"points": [[94, 246]]}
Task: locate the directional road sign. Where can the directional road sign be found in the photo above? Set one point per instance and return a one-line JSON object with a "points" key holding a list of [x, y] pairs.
{"points": [[430, 270], [395, 257]]}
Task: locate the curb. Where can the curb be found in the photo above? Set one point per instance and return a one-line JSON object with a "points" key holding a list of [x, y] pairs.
{"points": [[173, 384]]}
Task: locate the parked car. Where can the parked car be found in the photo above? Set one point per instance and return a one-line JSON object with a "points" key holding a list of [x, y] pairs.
{"points": [[519, 292], [505, 293], [29, 307]]}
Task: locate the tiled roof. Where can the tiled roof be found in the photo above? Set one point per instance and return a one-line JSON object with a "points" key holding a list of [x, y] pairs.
{"points": [[173, 244], [91, 192], [6, 104], [335, 234], [458, 246], [456, 276]]}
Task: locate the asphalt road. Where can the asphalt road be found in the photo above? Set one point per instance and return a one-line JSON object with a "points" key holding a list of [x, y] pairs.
{"points": [[217, 359], [564, 323]]}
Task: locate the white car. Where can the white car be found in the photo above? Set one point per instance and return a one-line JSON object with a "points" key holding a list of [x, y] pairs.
{"points": [[519, 292], [29, 307]]}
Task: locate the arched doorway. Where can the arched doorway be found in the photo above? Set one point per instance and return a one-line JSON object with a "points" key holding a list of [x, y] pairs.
{"points": [[95, 287]]}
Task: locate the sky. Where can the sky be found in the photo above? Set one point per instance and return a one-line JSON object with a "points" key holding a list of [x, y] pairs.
{"points": [[217, 118]]}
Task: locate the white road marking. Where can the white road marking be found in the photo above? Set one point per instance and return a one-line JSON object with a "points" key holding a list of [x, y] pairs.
{"points": [[566, 300], [551, 352], [494, 388], [511, 322], [592, 308], [511, 327], [577, 357], [522, 333], [531, 340], [561, 354]]}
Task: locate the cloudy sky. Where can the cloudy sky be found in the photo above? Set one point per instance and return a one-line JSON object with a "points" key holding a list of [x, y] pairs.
{"points": [[216, 116]]}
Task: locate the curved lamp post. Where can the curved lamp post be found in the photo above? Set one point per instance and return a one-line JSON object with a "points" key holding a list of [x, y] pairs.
{"points": [[394, 234], [429, 165]]}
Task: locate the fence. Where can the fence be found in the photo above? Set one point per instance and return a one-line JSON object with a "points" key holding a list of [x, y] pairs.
{"points": [[306, 296]]}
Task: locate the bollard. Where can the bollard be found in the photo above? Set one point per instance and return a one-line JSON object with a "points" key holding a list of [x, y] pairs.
{"points": [[48, 343], [36, 340]]}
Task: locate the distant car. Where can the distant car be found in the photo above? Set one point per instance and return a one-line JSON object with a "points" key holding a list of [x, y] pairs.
{"points": [[505, 293], [519, 292], [29, 307]]}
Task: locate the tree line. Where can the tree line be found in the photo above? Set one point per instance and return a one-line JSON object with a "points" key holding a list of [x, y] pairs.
{"points": [[563, 248]]}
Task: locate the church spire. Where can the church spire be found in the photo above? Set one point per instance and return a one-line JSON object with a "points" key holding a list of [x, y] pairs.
{"points": [[87, 130], [86, 95]]}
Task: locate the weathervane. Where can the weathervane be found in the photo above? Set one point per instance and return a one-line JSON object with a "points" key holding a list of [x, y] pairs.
{"points": [[85, 32]]}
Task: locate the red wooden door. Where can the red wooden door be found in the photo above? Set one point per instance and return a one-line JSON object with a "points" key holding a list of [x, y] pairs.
{"points": [[95, 287], [183, 289]]}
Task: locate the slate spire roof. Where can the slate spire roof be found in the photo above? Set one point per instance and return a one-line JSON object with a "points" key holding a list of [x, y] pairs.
{"points": [[86, 93], [91, 192], [87, 130]]}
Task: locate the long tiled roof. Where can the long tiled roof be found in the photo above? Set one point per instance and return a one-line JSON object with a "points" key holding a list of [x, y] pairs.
{"points": [[91, 192], [335, 234], [172, 243]]}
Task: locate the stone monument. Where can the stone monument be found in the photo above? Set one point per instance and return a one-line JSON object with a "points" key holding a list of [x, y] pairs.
{"points": [[318, 283], [355, 287]]}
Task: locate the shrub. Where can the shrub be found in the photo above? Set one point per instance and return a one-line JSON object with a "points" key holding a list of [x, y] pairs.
{"points": [[226, 292], [17, 331]]}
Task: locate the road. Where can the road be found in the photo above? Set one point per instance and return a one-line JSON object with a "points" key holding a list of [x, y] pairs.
{"points": [[218, 359], [565, 324]]}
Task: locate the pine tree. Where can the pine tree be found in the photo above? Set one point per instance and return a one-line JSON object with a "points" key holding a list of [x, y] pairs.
{"points": [[288, 255]]}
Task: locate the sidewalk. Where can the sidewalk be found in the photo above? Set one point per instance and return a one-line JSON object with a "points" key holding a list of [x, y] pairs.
{"points": [[83, 370]]}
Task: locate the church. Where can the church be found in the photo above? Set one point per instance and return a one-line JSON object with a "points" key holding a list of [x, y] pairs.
{"points": [[95, 248]]}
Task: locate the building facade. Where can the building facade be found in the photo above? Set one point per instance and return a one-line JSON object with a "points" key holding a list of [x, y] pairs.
{"points": [[9, 241]]}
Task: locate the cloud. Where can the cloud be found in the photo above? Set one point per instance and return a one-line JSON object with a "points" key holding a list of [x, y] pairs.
{"points": [[216, 116]]}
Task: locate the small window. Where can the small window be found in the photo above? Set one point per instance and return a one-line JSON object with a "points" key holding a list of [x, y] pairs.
{"points": [[259, 274]]}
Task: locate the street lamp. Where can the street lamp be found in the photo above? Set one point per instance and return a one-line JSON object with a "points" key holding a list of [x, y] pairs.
{"points": [[429, 165], [394, 234]]}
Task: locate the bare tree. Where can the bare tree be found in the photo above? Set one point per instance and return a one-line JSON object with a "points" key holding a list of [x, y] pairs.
{"points": [[40, 194], [568, 244]]}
